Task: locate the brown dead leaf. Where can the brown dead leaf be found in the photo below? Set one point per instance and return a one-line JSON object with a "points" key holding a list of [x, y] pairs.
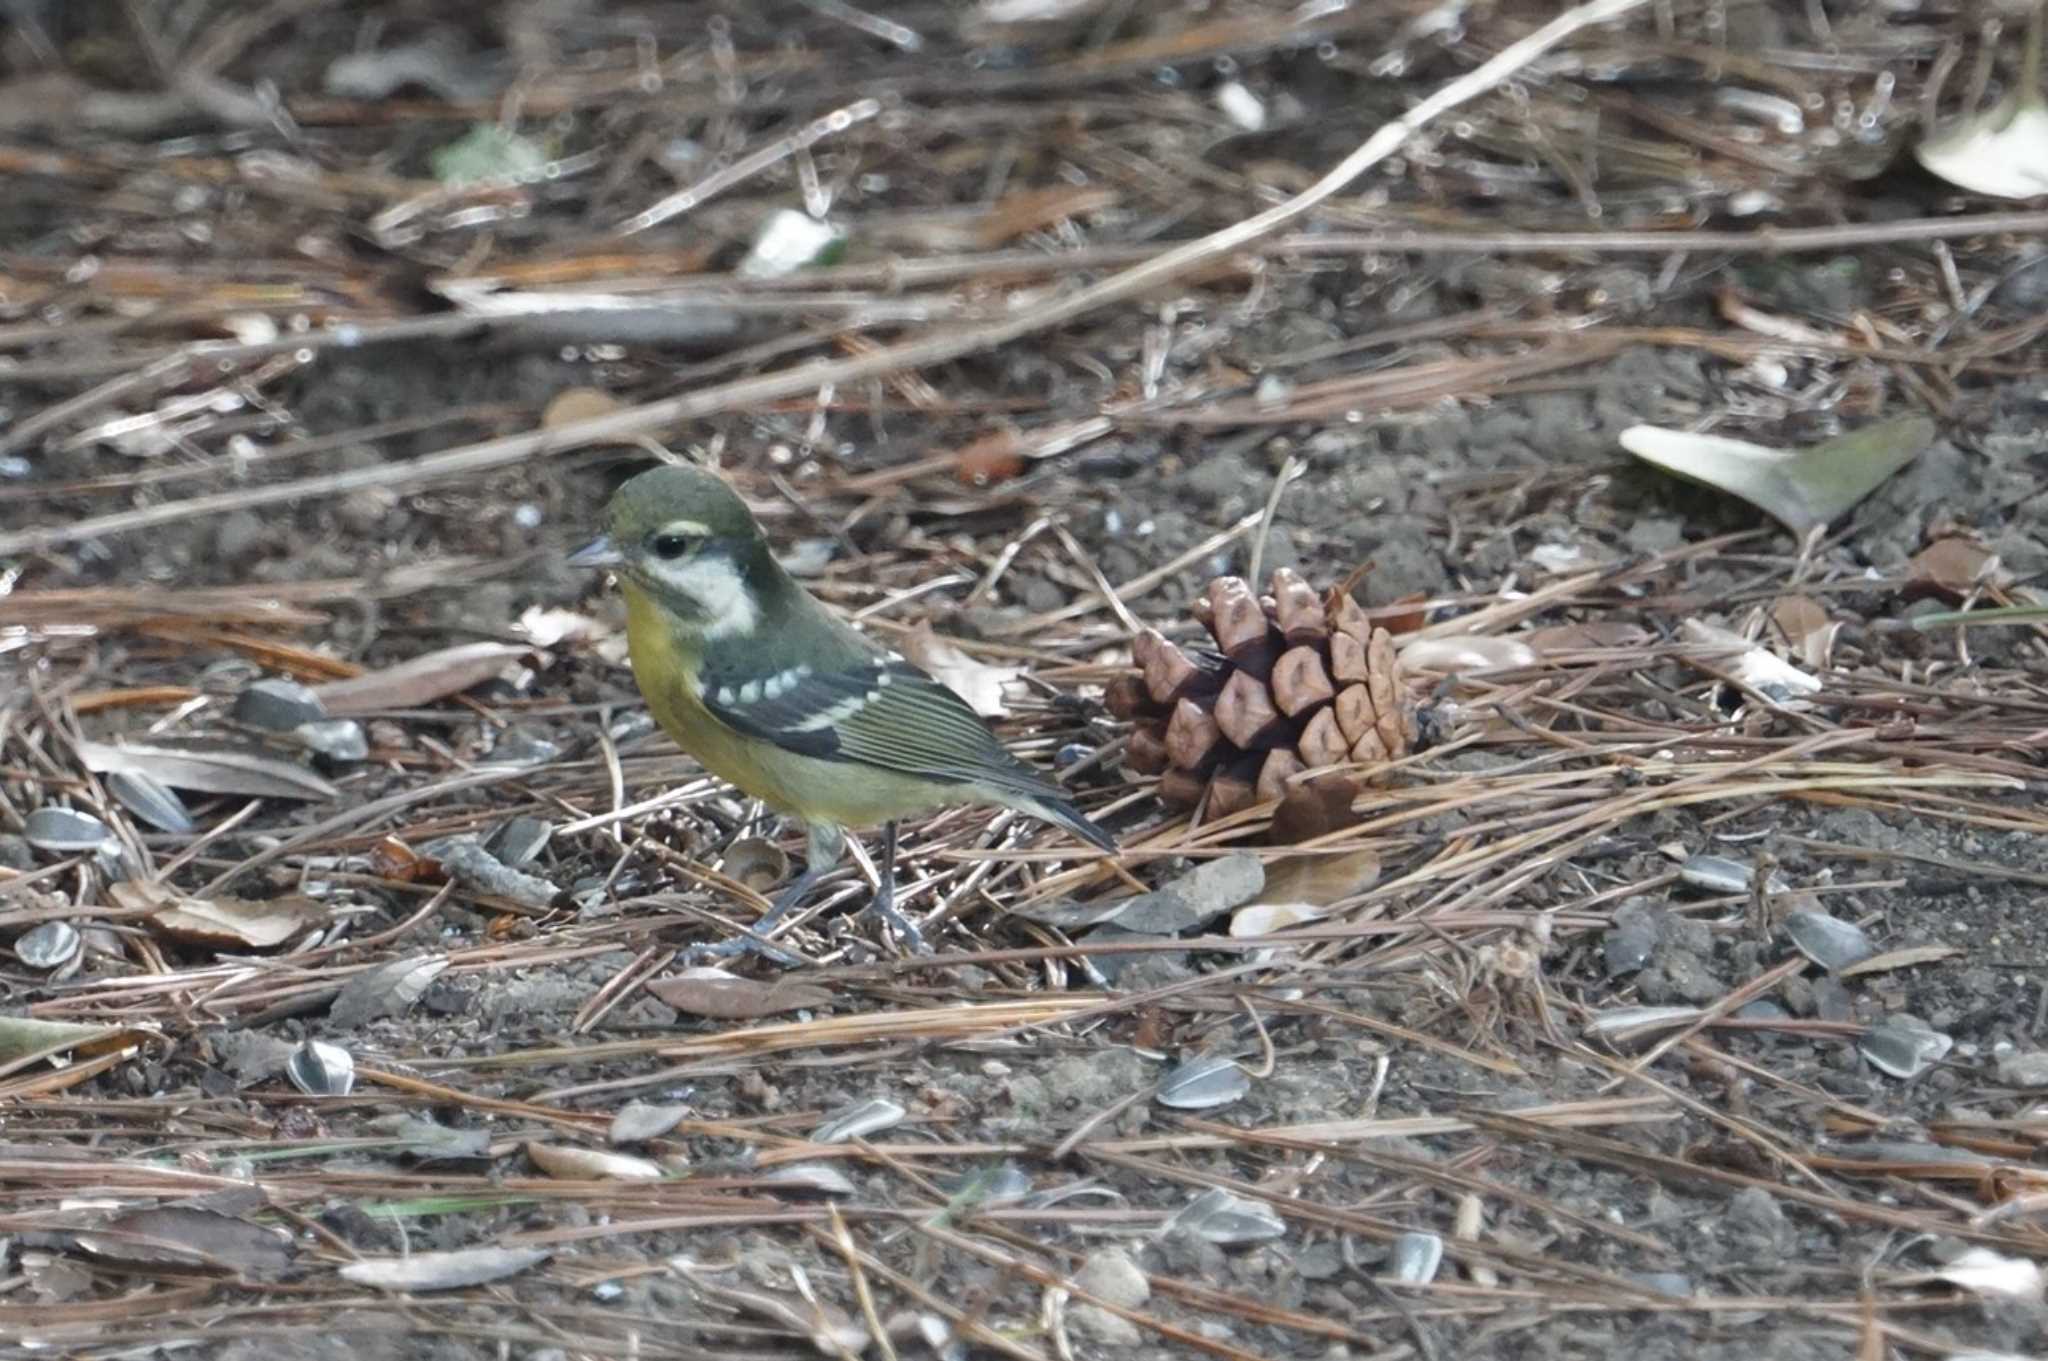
{"points": [[1955, 567], [724, 996], [995, 457], [1905, 957], [424, 679], [1593, 635], [184, 1236], [1318, 879], [1808, 632], [1405, 620], [254, 924], [27, 1039], [570, 1163]]}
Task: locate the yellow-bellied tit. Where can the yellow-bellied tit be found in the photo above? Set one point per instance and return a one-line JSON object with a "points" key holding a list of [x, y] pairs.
{"points": [[774, 693]]}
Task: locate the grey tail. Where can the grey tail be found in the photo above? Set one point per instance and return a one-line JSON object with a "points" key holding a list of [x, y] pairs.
{"points": [[1063, 813]]}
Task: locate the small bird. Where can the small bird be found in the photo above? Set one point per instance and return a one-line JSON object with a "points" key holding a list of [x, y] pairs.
{"points": [[775, 694]]}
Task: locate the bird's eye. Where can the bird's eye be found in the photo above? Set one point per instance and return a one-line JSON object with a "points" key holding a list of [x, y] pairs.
{"points": [[669, 547]]}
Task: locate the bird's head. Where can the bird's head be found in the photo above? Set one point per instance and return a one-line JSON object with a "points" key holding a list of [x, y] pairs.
{"points": [[685, 538]]}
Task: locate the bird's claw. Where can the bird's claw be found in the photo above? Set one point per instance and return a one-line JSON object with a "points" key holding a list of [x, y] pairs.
{"points": [[738, 945], [883, 908]]}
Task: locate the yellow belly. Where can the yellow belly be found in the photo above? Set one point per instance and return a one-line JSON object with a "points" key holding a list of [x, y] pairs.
{"points": [[835, 792]]}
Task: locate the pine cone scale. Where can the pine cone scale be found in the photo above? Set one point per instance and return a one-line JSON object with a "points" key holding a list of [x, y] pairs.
{"points": [[1299, 681]]}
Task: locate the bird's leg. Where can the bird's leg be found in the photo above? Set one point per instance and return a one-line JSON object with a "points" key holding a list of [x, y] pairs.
{"points": [[825, 844], [883, 904]]}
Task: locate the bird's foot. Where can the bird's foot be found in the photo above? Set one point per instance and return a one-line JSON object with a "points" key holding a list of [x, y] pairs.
{"points": [[739, 945], [883, 908]]}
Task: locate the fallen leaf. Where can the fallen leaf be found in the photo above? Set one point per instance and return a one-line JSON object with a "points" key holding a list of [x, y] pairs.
{"points": [[212, 768], [25, 1039], [723, 996], [1593, 635], [1757, 668], [977, 682], [1955, 567], [2004, 150], [1902, 958], [1263, 919], [1321, 879], [256, 924], [1801, 489], [1473, 652], [1409, 620], [443, 1270], [422, 680], [175, 1235], [1806, 628], [569, 1163]]}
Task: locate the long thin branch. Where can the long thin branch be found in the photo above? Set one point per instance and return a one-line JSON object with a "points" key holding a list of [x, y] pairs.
{"points": [[472, 459]]}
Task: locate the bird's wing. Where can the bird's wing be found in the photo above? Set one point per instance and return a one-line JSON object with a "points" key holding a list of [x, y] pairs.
{"points": [[880, 712]]}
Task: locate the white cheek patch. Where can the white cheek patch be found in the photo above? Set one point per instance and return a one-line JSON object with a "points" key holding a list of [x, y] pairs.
{"points": [[715, 584]]}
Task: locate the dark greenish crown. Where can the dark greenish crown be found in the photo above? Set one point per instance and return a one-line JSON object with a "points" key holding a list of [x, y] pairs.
{"points": [[664, 496]]}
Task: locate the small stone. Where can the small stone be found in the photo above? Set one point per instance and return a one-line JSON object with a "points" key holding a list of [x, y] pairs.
{"points": [[1628, 945], [1832, 1000], [2024, 1068], [1110, 1274], [237, 536], [1104, 1327], [1199, 896], [1755, 1210]]}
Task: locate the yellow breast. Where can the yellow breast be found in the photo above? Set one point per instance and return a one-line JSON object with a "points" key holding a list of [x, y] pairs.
{"points": [[668, 674], [668, 677]]}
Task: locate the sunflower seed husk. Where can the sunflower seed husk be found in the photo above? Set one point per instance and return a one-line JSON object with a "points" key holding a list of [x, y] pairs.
{"points": [[859, 1121], [1221, 1218], [278, 705], [150, 799], [63, 830], [320, 1069], [638, 1121], [1828, 940], [1721, 874], [1203, 1083], [816, 1178], [519, 841], [49, 946], [1904, 1046], [1416, 1258]]}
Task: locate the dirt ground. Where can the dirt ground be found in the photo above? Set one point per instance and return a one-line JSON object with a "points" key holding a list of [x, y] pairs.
{"points": [[1443, 1060]]}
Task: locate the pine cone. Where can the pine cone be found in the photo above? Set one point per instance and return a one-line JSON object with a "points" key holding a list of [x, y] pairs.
{"points": [[1298, 681]]}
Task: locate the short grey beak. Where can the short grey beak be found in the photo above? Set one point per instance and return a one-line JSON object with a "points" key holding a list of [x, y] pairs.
{"points": [[597, 553]]}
